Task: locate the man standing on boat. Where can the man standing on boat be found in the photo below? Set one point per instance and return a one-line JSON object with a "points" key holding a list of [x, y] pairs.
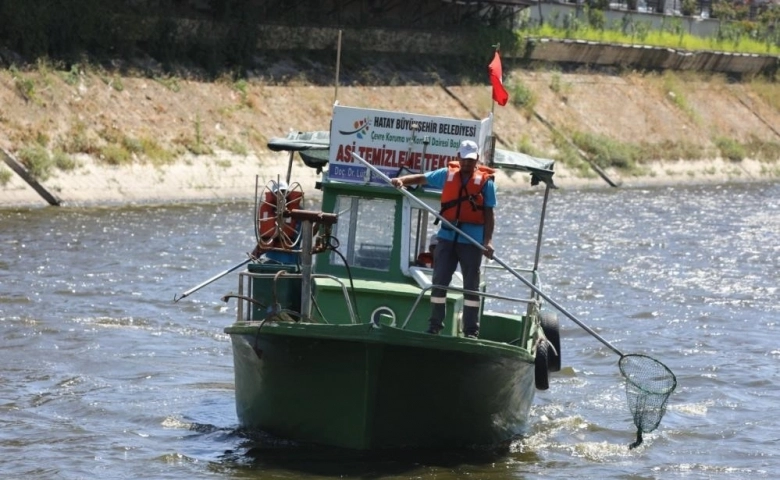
{"points": [[468, 199]]}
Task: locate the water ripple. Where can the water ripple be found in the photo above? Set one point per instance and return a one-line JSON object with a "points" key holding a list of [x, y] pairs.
{"points": [[103, 373]]}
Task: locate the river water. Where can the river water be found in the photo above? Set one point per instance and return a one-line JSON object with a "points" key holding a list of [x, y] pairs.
{"points": [[102, 375]]}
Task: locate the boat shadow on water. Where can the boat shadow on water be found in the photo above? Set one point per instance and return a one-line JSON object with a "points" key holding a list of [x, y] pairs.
{"points": [[262, 452]]}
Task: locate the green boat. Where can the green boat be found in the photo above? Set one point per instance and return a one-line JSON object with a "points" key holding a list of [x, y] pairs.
{"points": [[332, 349]]}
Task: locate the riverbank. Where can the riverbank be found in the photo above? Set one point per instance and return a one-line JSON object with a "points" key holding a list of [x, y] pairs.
{"points": [[231, 177], [138, 140]]}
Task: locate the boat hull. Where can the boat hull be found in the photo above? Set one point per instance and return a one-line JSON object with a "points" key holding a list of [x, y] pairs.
{"points": [[366, 387]]}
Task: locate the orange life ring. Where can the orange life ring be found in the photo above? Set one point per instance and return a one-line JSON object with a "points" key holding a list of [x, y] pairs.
{"points": [[425, 259], [275, 226]]}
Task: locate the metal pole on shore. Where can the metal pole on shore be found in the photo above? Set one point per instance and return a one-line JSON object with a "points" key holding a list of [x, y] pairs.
{"points": [[22, 172]]}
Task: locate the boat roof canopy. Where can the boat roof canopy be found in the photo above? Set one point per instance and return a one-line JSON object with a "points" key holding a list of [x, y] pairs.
{"points": [[311, 146], [541, 169]]}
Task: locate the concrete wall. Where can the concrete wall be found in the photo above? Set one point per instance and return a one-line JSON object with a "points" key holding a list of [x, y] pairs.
{"points": [[592, 53]]}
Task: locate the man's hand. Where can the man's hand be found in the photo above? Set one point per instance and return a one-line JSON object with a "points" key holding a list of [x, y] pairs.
{"points": [[488, 252], [413, 179], [259, 250]]}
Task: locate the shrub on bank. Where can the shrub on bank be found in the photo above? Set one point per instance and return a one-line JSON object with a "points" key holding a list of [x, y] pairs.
{"points": [[37, 160]]}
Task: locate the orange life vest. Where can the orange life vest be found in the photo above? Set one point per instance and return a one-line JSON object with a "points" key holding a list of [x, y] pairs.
{"points": [[284, 234], [464, 203]]}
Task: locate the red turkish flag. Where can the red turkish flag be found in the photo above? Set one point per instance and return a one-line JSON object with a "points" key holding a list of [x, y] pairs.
{"points": [[500, 94]]}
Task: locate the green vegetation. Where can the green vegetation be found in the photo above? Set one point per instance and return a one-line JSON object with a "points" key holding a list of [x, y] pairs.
{"points": [[5, 176], [114, 81], [196, 145], [731, 149], [569, 156], [607, 152], [233, 145], [672, 85], [241, 86], [115, 154], [767, 90], [24, 85], [146, 149], [631, 157], [558, 85], [762, 150], [63, 161], [78, 140], [37, 161], [156, 153], [521, 96], [171, 83], [526, 145], [673, 150], [71, 76], [743, 36]]}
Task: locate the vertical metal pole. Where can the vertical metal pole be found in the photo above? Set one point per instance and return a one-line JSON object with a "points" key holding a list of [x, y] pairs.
{"points": [[422, 233], [257, 209], [289, 167], [306, 266], [541, 226], [338, 67], [353, 219], [424, 163], [414, 128], [539, 240], [240, 312]]}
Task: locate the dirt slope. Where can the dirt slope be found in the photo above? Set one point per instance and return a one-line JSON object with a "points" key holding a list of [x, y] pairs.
{"points": [[231, 122]]}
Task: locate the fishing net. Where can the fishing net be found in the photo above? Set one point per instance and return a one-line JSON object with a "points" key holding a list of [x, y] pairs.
{"points": [[649, 383]]}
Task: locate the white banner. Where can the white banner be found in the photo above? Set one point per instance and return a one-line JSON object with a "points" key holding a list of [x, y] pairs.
{"points": [[394, 142]]}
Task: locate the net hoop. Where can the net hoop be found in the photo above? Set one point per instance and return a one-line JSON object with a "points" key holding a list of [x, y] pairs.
{"points": [[635, 367]]}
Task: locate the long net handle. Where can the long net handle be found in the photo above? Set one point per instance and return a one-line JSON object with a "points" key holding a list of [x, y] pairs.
{"points": [[530, 285]]}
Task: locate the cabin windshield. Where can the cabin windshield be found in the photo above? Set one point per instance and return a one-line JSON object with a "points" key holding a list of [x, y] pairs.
{"points": [[364, 232]]}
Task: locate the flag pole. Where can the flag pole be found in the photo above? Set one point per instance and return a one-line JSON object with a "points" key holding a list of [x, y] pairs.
{"points": [[338, 67]]}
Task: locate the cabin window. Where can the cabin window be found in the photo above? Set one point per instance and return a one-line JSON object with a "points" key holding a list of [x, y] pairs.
{"points": [[420, 232], [365, 232]]}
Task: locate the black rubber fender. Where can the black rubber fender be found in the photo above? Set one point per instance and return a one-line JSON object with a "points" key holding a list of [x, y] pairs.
{"points": [[541, 367], [551, 328]]}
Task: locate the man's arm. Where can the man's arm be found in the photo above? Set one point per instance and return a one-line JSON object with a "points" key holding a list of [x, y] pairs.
{"points": [[413, 179], [490, 223]]}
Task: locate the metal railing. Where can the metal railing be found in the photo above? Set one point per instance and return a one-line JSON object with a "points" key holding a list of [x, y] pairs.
{"points": [[246, 294], [244, 289], [527, 301]]}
